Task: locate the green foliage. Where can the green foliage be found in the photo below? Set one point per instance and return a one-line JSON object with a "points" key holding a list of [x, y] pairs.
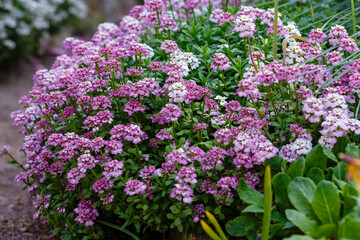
{"points": [[304, 200]]}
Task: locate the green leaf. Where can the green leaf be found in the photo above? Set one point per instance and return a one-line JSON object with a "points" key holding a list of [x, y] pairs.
{"points": [[300, 220], [276, 164], [349, 226], [298, 237], [250, 196], [340, 171], [351, 195], [301, 194], [170, 216], [340, 145], [316, 174], [253, 209], [352, 150], [316, 158], [181, 142], [296, 168], [326, 203], [280, 183], [330, 155], [120, 229], [240, 226], [326, 230]]}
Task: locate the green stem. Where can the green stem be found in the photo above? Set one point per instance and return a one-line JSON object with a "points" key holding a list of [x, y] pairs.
{"points": [[267, 205], [174, 132], [353, 18], [12, 158], [275, 28], [137, 152]]}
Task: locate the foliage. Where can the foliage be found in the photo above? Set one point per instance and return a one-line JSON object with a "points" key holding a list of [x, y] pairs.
{"points": [[318, 201]]}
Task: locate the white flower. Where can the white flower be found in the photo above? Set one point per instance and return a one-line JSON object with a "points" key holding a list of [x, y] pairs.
{"points": [[177, 92]]}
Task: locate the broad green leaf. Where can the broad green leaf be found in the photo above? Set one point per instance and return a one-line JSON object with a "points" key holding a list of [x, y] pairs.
{"points": [[350, 194], [298, 237], [296, 168], [300, 220], [280, 184], [301, 194], [250, 196], [326, 230], [330, 155], [316, 174], [240, 226], [340, 145], [276, 164], [326, 203], [340, 171], [253, 209], [350, 225], [352, 150], [316, 158]]}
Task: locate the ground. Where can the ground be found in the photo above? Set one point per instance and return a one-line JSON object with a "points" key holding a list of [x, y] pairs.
{"points": [[15, 208]]}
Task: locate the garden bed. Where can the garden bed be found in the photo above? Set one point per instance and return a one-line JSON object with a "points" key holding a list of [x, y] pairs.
{"points": [[176, 112]]}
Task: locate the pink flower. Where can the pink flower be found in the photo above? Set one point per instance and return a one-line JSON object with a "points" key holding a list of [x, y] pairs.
{"points": [[220, 61], [134, 187]]}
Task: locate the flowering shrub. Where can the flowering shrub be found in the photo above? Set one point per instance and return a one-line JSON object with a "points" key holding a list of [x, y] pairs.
{"points": [[163, 114], [23, 23]]}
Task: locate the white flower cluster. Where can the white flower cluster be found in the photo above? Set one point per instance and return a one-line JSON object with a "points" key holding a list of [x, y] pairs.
{"points": [[22, 17]]}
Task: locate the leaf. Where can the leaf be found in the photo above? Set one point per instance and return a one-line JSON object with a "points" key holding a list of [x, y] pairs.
{"points": [[351, 195], [253, 209], [240, 226], [326, 230], [349, 226], [316, 174], [326, 203], [316, 158], [340, 171], [275, 164], [298, 237], [330, 155], [296, 168], [300, 220], [340, 145], [280, 184], [352, 150], [301, 194], [250, 196], [120, 229]]}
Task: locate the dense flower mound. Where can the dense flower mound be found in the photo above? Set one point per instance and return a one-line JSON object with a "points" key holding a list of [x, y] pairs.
{"points": [[161, 115], [24, 22]]}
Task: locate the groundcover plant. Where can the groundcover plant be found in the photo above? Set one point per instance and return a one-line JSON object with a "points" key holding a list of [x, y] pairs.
{"points": [[177, 110], [24, 22]]}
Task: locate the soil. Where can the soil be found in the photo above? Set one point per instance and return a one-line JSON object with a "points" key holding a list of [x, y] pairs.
{"points": [[15, 208]]}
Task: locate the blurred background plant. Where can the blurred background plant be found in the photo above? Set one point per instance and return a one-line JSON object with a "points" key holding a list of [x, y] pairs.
{"points": [[23, 23]]}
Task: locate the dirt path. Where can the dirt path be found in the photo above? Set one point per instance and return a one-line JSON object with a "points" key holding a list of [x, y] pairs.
{"points": [[15, 208]]}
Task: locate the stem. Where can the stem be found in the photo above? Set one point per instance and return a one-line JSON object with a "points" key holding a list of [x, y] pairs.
{"points": [[137, 152], [12, 158], [267, 204], [123, 69], [174, 132], [297, 104], [275, 28], [353, 18]]}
